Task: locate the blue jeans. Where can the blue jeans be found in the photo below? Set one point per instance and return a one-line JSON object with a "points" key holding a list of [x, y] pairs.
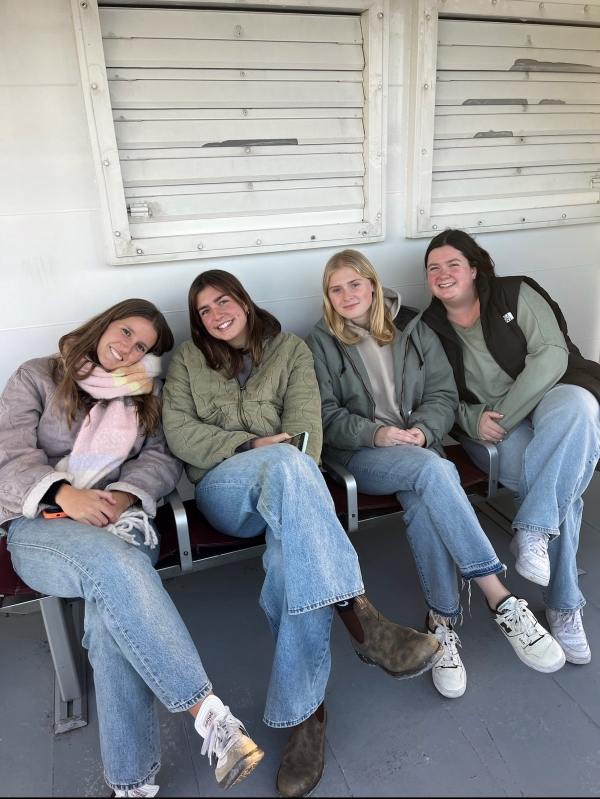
{"points": [[138, 645], [309, 564], [548, 462], [442, 527]]}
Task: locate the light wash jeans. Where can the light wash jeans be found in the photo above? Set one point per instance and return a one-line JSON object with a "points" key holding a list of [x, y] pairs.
{"points": [[442, 527], [309, 564], [548, 462], [138, 644]]}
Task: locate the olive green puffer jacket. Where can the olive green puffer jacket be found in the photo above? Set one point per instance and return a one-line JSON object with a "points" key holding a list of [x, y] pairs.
{"points": [[206, 417]]}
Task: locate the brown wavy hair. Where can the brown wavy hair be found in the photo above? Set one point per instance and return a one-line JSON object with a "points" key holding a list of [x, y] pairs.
{"points": [[381, 325], [81, 345], [220, 355]]}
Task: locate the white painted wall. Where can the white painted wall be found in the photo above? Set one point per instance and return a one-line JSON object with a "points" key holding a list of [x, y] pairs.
{"points": [[53, 268]]}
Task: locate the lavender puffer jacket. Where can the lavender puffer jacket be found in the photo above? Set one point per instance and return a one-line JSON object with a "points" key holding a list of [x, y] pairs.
{"points": [[34, 436]]}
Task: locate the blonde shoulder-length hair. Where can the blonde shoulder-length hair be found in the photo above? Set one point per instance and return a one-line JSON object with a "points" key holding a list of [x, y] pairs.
{"points": [[381, 326]]}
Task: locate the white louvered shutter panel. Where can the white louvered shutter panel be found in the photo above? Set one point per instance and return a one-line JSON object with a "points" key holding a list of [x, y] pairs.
{"points": [[517, 126], [237, 128]]}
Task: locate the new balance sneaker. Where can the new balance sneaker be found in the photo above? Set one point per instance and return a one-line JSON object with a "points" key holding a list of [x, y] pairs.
{"points": [[449, 674], [226, 738], [533, 645], [568, 630], [531, 552], [149, 789]]}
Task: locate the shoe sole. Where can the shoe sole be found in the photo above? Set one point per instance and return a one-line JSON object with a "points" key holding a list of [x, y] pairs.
{"points": [[406, 675], [543, 669], [242, 768], [314, 788], [528, 575]]}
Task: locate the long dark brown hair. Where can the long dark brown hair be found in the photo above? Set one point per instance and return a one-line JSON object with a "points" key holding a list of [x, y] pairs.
{"points": [[220, 355], [79, 347], [475, 255]]}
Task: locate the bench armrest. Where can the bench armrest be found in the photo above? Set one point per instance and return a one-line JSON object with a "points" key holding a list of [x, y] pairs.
{"points": [[336, 469], [492, 460], [183, 531]]}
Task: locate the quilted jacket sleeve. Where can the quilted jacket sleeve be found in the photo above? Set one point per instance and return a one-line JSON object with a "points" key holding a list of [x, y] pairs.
{"points": [[302, 402]]}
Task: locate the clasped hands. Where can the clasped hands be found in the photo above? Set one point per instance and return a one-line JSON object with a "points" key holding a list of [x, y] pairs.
{"points": [[92, 506], [393, 436]]}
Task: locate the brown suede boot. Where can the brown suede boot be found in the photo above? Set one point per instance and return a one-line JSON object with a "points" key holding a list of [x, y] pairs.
{"points": [[399, 651], [304, 757]]}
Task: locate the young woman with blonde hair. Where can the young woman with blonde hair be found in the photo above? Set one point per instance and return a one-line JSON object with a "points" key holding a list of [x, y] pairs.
{"points": [[81, 436], [388, 397]]}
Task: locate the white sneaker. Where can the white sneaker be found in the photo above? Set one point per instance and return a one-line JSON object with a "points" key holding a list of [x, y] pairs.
{"points": [[533, 645], [531, 552], [148, 789], [237, 754], [568, 630], [449, 674]]}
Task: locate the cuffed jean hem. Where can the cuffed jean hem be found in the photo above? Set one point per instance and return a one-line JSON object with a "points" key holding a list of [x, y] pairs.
{"points": [[198, 697], [284, 724], [322, 603], [580, 606], [130, 786], [453, 615], [552, 532], [483, 570]]}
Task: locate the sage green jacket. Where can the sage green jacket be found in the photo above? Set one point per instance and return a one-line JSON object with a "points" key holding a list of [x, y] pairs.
{"points": [[206, 417], [425, 387]]}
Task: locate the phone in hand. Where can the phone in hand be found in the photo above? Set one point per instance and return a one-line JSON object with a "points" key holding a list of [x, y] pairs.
{"points": [[300, 441], [54, 512]]}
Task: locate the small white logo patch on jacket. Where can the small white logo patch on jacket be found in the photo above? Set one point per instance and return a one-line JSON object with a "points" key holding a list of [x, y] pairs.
{"points": [[508, 317]]}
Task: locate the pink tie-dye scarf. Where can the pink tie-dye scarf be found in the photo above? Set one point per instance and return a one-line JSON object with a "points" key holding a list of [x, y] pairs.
{"points": [[108, 434]]}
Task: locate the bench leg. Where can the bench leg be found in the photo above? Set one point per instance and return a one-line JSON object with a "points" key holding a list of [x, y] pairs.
{"points": [[64, 628]]}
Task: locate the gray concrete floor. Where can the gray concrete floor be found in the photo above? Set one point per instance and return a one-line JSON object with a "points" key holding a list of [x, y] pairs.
{"points": [[514, 733]]}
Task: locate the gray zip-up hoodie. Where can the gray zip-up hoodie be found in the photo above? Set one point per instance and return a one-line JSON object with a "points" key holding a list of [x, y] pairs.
{"points": [[425, 387]]}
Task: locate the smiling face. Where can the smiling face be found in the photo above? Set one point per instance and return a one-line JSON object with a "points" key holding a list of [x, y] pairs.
{"points": [[222, 316], [125, 342], [450, 276], [351, 295]]}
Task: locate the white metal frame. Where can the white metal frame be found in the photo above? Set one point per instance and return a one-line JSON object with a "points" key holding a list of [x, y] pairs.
{"points": [[419, 223], [123, 249]]}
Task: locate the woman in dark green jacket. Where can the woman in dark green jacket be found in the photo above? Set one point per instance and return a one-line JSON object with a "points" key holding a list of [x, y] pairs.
{"points": [[388, 397]]}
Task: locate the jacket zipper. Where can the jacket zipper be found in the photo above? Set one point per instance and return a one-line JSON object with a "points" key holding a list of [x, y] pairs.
{"points": [[241, 414]]}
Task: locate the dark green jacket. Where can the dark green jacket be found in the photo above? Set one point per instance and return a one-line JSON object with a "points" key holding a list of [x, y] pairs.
{"points": [[425, 387]]}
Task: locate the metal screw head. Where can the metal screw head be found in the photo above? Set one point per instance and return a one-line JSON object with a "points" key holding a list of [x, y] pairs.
{"points": [[245, 112], [364, 232], [83, 5], [238, 27], [250, 185], [423, 151], [564, 216], [480, 223], [258, 241], [426, 86], [106, 162], [541, 5], [312, 238], [434, 227], [247, 149], [427, 16], [522, 219], [200, 246], [421, 211], [380, 15], [519, 170], [94, 85], [242, 74], [139, 252], [586, 8], [378, 216], [117, 233], [379, 85]]}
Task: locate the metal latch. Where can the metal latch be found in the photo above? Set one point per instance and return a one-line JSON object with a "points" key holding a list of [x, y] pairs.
{"points": [[139, 209]]}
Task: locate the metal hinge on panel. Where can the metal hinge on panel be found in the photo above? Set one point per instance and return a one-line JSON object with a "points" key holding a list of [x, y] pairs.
{"points": [[139, 209]]}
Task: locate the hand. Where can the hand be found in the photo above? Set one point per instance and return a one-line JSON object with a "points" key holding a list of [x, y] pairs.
{"points": [[393, 436], [265, 442], [123, 500], [87, 505], [489, 430], [419, 436]]}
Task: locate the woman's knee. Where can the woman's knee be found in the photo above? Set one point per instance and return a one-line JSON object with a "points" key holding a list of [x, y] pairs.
{"points": [[572, 405]]}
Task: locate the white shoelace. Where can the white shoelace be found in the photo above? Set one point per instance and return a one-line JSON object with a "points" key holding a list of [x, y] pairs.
{"points": [[537, 543], [450, 641], [572, 623], [522, 620], [221, 735]]}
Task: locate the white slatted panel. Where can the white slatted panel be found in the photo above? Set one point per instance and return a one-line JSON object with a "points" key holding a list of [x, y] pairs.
{"points": [[235, 120], [517, 124]]}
